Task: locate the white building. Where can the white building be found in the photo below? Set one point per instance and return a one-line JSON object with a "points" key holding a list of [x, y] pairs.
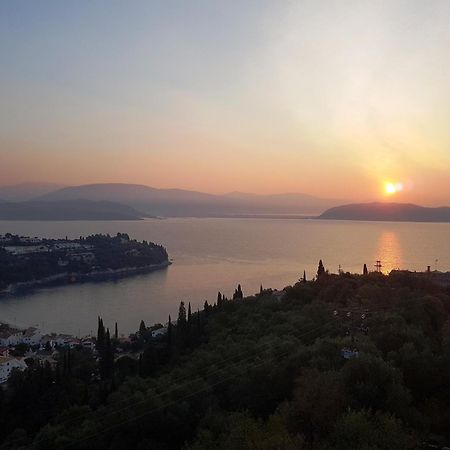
{"points": [[11, 338], [8, 364], [159, 332], [31, 336], [66, 246], [26, 249], [88, 344]]}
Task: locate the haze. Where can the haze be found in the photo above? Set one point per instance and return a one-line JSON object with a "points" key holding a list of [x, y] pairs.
{"points": [[331, 98]]}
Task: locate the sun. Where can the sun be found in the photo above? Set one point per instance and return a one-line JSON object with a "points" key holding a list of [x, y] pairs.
{"points": [[391, 188]]}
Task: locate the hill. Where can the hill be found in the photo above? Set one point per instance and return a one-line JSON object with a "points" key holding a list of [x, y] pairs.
{"points": [[179, 202], [26, 191], [67, 210], [348, 362], [398, 212]]}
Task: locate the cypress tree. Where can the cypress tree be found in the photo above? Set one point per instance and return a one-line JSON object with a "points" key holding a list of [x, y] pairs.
{"points": [[189, 314], [116, 332], [304, 277], [142, 328], [365, 271], [320, 270], [100, 335], [181, 315], [169, 332]]}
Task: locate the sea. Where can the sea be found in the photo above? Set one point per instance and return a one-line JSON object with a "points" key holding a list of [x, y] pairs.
{"points": [[211, 255]]}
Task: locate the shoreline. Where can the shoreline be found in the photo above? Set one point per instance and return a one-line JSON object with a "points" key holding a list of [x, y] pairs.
{"points": [[67, 278]]}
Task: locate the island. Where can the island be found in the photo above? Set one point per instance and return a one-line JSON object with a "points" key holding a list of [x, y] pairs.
{"points": [[389, 212], [29, 262]]}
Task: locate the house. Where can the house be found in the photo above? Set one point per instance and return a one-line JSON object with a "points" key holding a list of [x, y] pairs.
{"points": [[88, 344], [347, 353], [159, 332], [26, 249], [8, 364], [62, 340], [31, 336], [10, 337], [86, 257], [66, 246]]}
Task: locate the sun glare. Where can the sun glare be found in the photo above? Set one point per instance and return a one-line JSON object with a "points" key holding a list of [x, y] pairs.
{"points": [[392, 188]]}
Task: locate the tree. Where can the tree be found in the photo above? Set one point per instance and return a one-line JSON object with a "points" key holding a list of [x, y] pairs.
{"points": [[169, 333], [181, 315], [142, 328], [320, 270], [304, 277], [238, 294], [107, 358], [116, 332], [100, 335], [189, 314], [365, 271]]}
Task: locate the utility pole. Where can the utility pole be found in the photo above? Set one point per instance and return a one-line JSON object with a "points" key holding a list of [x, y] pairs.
{"points": [[378, 265]]}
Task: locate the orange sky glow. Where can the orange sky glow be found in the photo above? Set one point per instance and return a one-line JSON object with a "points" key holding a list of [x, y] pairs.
{"points": [[339, 100]]}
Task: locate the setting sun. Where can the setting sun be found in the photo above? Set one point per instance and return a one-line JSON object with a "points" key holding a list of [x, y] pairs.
{"points": [[392, 188]]}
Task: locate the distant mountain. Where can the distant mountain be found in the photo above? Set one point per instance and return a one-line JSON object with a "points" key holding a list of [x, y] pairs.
{"points": [[67, 210], [398, 212], [180, 203], [26, 191]]}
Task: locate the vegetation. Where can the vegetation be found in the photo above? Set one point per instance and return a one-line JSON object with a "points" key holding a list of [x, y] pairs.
{"points": [[343, 362], [95, 253]]}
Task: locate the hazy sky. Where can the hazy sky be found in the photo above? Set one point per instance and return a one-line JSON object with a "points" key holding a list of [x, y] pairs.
{"points": [[333, 98]]}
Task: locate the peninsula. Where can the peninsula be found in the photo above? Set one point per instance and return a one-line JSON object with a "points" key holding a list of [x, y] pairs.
{"points": [[27, 262], [393, 212]]}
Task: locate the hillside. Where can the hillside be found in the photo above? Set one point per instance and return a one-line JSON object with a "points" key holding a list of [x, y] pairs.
{"points": [[398, 212], [348, 362], [67, 210], [179, 202]]}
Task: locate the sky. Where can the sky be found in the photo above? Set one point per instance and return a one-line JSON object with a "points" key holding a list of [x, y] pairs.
{"points": [[333, 98]]}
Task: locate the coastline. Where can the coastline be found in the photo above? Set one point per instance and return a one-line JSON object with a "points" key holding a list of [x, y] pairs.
{"points": [[67, 278]]}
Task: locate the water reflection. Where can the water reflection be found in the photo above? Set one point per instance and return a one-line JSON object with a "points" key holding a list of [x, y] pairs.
{"points": [[389, 251]]}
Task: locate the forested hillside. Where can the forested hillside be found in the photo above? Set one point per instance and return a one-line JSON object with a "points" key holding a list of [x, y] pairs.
{"points": [[344, 362]]}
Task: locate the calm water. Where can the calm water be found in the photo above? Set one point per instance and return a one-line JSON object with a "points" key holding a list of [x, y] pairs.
{"points": [[216, 254]]}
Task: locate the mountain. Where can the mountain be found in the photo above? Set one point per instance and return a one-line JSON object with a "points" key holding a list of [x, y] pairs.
{"points": [[67, 210], [181, 203], [398, 212], [26, 191]]}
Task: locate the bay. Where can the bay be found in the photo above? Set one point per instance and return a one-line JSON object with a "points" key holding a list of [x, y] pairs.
{"points": [[216, 254]]}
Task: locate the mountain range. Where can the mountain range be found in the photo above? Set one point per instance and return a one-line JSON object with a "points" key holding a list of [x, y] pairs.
{"points": [[67, 210], [115, 201], [182, 203]]}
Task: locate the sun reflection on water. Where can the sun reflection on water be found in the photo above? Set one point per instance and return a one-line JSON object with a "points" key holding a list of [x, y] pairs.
{"points": [[389, 251]]}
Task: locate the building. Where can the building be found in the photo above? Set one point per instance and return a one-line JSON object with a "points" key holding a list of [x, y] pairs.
{"points": [[86, 257], [18, 250], [10, 337], [159, 332], [31, 336], [8, 364], [67, 246]]}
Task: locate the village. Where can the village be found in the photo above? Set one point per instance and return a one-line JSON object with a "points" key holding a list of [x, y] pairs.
{"points": [[31, 262], [22, 348]]}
